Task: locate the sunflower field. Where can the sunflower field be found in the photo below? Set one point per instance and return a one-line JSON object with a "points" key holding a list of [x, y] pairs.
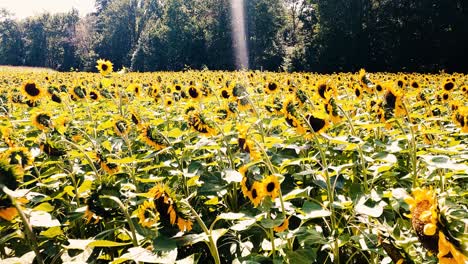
{"points": [[233, 167]]}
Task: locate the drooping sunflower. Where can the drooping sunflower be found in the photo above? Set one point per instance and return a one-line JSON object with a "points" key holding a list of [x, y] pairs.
{"points": [[147, 214], [151, 137], [104, 67], [170, 212], [42, 120], [78, 92], [283, 227], [197, 121], [448, 254], [32, 91], [9, 178], [424, 217], [109, 167], [393, 101], [121, 126], [18, 156]]}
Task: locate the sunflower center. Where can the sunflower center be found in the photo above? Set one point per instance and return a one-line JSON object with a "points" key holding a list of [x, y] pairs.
{"points": [[321, 90], [449, 86], [272, 86], [254, 193], [31, 89], [193, 92], [390, 98], [357, 92], [316, 123], [104, 67], [225, 94], [270, 186]]}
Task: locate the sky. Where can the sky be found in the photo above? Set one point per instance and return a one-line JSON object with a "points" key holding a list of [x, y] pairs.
{"points": [[25, 8]]}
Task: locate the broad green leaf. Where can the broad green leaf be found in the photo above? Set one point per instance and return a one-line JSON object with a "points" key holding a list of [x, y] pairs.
{"points": [[46, 207], [52, 232], [107, 243]]}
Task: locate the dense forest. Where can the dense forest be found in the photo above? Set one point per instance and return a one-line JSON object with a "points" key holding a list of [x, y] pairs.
{"points": [[282, 35]]}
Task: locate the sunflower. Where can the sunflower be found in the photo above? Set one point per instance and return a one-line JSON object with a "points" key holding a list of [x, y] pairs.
{"points": [[222, 114], [271, 186], [169, 212], [152, 137], [393, 101], [225, 94], [9, 178], [50, 150], [32, 91], [147, 214], [94, 95], [134, 88], [424, 217], [448, 254], [104, 67], [460, 117], [18, 156], [318, 122], [283, 227], [42, 120], [194, 93], [256, 193], [379, 88], [449, 85], [121, 126], [168, 101], [197, 122], [78, 92], [271, 87], [358, 91], [109, 167]]}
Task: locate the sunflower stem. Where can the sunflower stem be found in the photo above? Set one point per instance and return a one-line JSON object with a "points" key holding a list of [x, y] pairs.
{"points": [[91, 163], [28, 229], [127, 216], [361, 154], [212, 244]]}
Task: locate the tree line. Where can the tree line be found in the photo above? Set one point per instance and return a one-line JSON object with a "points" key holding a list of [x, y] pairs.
{"points": [[281, 35]]}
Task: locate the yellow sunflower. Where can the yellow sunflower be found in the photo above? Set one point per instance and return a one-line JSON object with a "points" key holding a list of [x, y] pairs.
{"points": [[151, 137], [448, 254], [271, 186], [166, 205], [147, 214], [42, 120], [424, 217], [18, 156], [283, 227], [32, 91], [194, 93], [168, 101], [121, 126], [271, 87], [318, 122], [105, 67]]}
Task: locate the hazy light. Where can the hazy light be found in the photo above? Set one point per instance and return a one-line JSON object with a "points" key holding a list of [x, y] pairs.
{"points": [[24, 8], [239, 38]]}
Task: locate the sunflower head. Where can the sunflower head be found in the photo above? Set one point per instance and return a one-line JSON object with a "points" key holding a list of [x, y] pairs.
{"points": [[318, 122], [42, 120], [18, 156], [121, 126], [147, 214], [424, 217], [448, 253], [283, 227], [152, 137], [32, 91], [271, 186], [104, 67]]}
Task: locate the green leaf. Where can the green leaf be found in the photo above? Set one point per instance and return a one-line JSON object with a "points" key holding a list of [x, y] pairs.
{"points": [[107, 244], [231, 216], [313, 210], [301, 256], [46, 207], [52, 232]]}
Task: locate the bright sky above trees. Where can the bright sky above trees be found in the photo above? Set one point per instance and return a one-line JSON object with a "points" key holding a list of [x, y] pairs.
{"points": [[25, 8]]}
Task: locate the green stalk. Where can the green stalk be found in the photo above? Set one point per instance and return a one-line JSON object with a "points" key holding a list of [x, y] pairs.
{"points": [[28, 230], [211, 243], [127, 216]]}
